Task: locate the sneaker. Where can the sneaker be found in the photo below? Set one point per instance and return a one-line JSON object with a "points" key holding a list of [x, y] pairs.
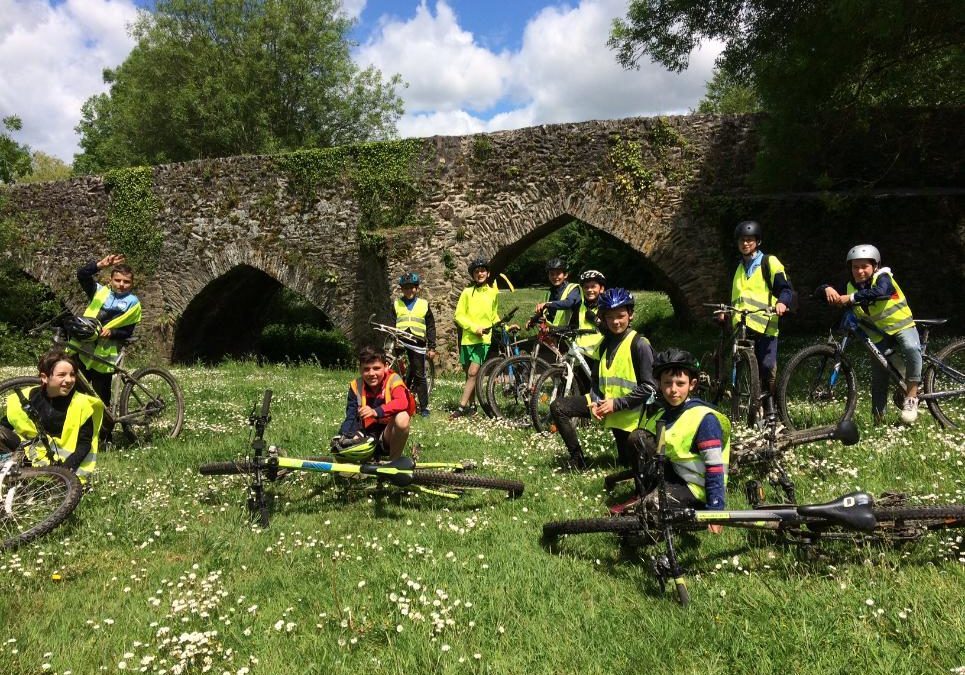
{"points": [[909, 411], [463, 411], [577, 462], [878, 419], [424, 412]]}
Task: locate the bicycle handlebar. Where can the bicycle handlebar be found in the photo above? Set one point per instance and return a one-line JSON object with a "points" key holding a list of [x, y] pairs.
{"points": [[730, 309]]}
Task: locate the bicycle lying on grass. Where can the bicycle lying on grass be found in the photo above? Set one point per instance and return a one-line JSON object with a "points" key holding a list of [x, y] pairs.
{"points": [[146, 402], [267, 464], [854, 517], [34, 499], [818, 384], [398, 344]]}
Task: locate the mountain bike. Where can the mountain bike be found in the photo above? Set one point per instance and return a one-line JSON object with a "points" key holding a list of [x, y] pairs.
{"points": [[571, 375], [34, 499], [147, 402], [819, 386], [397, 346], [268, 464], [854, 517], [505, 345]]}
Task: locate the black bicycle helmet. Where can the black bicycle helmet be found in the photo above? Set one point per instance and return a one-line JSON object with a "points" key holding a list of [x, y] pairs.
{"points": [[612, 298], [676, 359], [748, 228], [476, 263], [556, 263], [409, 278], [593, 275], [82, 327]]}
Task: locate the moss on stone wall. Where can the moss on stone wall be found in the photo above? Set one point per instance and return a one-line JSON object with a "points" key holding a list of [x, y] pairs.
{"points": [[132, 227]]}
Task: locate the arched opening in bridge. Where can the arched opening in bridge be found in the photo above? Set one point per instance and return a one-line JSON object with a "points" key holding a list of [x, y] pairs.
{"points": [[25, 302], [584, 246], [246, 313]]}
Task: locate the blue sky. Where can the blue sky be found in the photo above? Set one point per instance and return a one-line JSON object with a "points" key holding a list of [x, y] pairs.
{"points": [[469, 65]]}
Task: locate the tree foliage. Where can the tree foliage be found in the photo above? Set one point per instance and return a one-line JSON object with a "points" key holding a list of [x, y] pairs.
{"points": [[44, 167], [726, 95], [14, 157], [213, 78]]}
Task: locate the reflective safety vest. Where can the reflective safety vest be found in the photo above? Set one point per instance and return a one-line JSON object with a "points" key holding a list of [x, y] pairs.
{"points": [[412, 320], [679, 443], [562, 316], [588, 343], [753, 293], [391, 382], [106, 348], [617, 380], [889, 315], [82, 407], [477, 308]]}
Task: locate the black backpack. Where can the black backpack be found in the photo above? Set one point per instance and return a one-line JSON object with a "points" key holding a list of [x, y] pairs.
{"points": [[766, 271]]}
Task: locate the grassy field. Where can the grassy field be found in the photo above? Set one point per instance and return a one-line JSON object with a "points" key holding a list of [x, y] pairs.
{"points": [[159, 570]]}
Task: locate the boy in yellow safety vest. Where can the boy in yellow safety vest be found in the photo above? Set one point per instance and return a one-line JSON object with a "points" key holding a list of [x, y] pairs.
{"points": [[882, 311], [476, 312], [413, 314], [563, 299]]}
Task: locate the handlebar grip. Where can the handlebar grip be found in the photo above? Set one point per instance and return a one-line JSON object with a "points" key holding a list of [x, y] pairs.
{"points": [[266, 403]]}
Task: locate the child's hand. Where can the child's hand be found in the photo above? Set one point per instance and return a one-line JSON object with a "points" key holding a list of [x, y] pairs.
{"points": [[365, 412], [601, 409], [715, 529], [780, 308], [831, 295]]}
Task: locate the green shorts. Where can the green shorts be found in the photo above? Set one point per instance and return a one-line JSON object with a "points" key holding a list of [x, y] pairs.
{"points": [[469, 354]]}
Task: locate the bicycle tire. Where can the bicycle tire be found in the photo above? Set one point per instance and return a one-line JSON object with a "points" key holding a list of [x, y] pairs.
{"points": [[509, 388], [49, 492], [430, 376], [541, 399], [481, 392], [236, 468], [805, 396], [7, 387], [949, 412], [745, 391], [464, 481], [165, 395], [945, 516], [623, 525]]}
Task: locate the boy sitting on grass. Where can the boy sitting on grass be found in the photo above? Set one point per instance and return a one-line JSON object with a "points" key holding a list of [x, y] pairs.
{"points": [[379, 404]]}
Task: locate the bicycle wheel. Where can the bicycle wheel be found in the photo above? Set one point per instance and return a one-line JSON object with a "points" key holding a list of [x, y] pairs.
{"points": [[154, 402], [911, 522], [8, 387], [946, 377], [816, 388], [430, 375], [549, 386], [481, 391], [465, 481], [35, 500], [745, 389], [511, 385], [238, 467], [624, 525]]}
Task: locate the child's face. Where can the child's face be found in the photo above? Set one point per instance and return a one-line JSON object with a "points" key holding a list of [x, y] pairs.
{"points": [[373, 372], [676, 388], [480, 275], [747, 245], [862, 270], [618, 320], [121, 283], [556, 277], [409, 291], [61, 380], [592, 290]]}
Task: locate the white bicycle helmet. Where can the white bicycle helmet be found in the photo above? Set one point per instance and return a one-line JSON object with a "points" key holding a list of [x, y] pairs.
{"points": [[864, 252]]}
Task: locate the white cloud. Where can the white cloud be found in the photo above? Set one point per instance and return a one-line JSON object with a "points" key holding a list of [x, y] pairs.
{"points": [[51, 61], [353, 8]]}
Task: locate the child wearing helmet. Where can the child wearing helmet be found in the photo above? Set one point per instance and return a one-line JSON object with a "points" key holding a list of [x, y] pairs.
{"points": [[593, 283], [563, 298], [413, 314], [882, 311], [760, 282], [379, 404], [622, 382], [71, 420], [476, 312], [696, 437]]}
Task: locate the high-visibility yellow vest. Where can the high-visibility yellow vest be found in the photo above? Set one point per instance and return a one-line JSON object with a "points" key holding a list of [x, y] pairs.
{"points": [[752, 293], [588, 343], [562, 316], [412, 320], [889, 315], [82, 408], [391, 382], [477, 308], [679, 443], [106, 348], [618, 379]]}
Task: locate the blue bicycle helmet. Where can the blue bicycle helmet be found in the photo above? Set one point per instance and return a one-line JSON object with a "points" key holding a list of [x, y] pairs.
{"points": [[612, 298], [409, 278]]}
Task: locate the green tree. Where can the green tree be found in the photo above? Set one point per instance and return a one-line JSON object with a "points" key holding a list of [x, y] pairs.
{"points": [[726, 95], [213, 78], [44, 167], [14, 157]]}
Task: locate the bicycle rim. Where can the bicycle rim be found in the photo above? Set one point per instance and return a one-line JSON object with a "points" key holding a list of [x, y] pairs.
{"points": [[948, 376], [155, 403], [745, 390], [33, 501], [510, 389], [549, 387], [8, 387], [481, 391], [817, 388]]}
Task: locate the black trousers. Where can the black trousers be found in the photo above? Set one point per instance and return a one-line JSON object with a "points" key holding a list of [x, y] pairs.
{"points": [[416, 378], [101, 384], [563, 409]]}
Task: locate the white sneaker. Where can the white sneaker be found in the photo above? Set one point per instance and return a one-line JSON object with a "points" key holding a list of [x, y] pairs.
{"points": [[909, 411]]}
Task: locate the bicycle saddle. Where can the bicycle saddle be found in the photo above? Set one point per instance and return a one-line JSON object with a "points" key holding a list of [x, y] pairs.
{"points": [[930, 322], [853, 510]]}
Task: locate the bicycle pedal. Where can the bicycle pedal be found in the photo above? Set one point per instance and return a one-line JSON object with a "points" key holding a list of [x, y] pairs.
{"points": [[625, 508]]}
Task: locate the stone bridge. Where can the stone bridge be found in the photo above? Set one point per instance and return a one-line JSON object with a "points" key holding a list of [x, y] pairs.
{"points": [[338, 226]]}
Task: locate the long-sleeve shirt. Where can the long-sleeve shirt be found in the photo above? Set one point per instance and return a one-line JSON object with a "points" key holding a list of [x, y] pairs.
{"points": [[709, 444], [53, 416], [476, 309], [375, 400], [571, 302], [867, 293], [430, 340], [114, 306], [641, 353]]}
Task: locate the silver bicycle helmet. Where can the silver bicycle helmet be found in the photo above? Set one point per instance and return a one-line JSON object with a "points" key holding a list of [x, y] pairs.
{"points": [[864, 252]]}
